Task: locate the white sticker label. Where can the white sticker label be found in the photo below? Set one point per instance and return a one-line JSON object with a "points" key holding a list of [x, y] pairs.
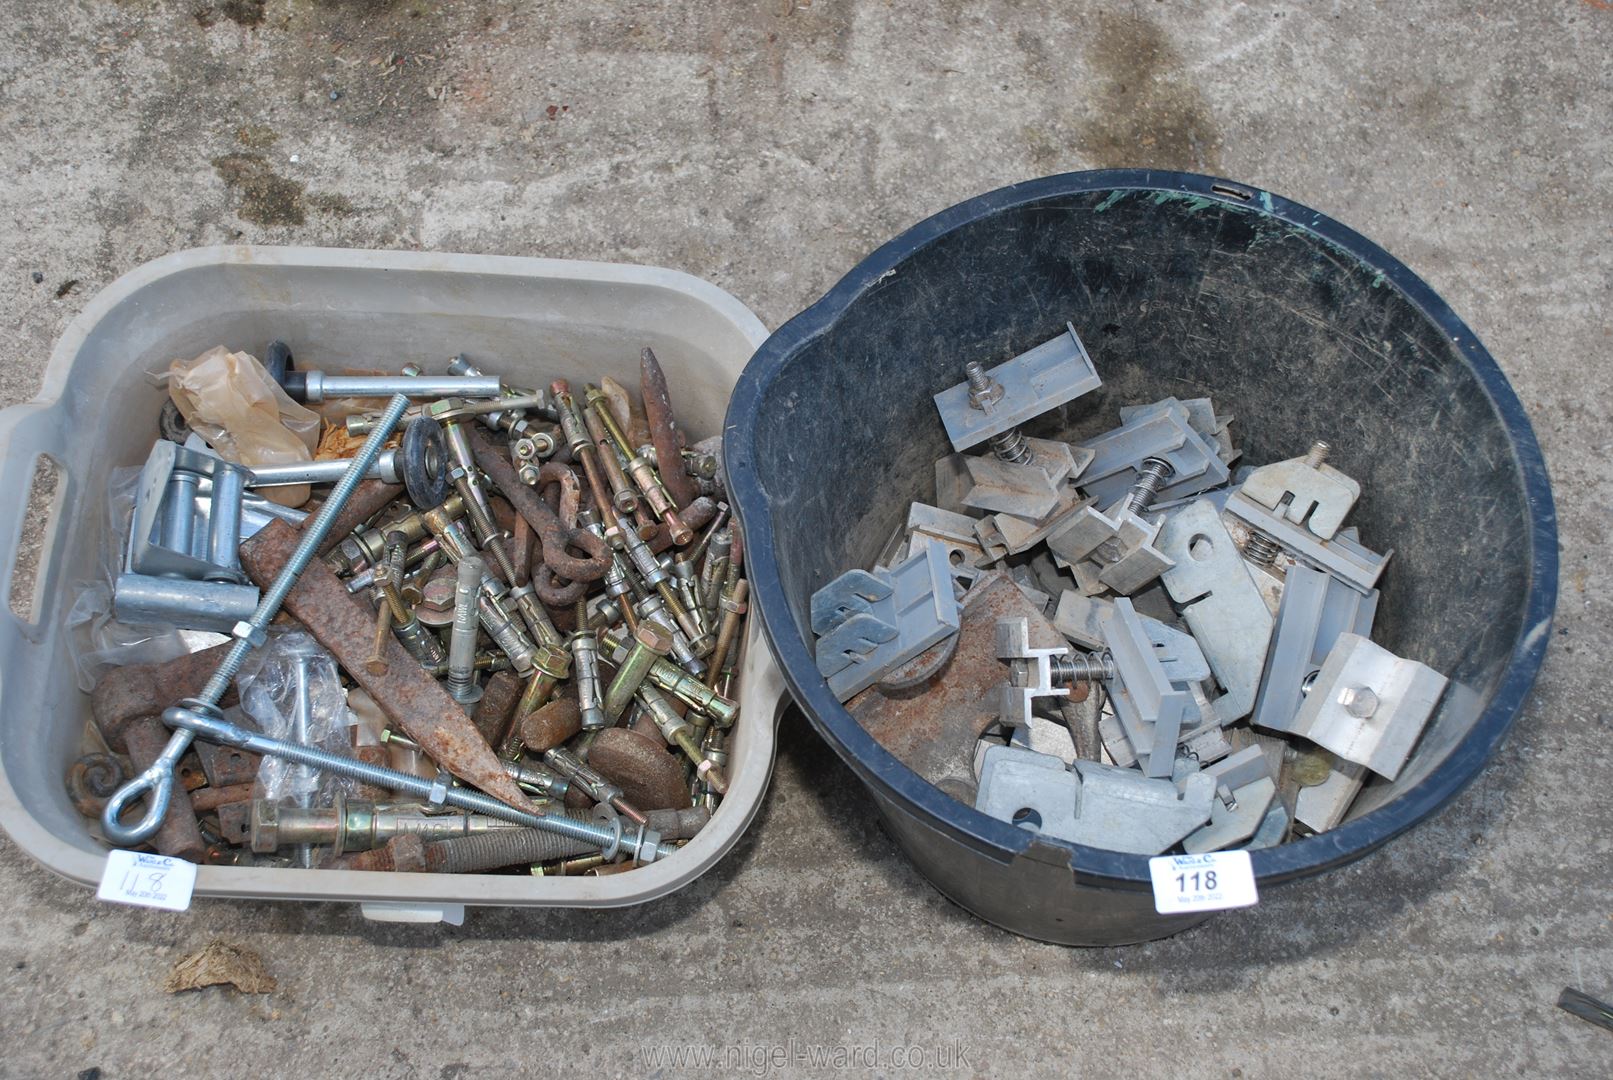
{"points": [[159, 881], [1208, 882]]}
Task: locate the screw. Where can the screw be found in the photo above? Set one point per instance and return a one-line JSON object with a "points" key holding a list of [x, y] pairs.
{"points": [[1077, 667], [1317, 453], [985, 392]]}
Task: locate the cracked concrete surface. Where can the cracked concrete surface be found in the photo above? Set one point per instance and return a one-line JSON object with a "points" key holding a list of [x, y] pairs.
{"points": [[767, 147]]}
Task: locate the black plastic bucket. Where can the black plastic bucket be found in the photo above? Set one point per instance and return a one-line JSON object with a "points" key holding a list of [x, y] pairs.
{"points": [[1184, 286]]}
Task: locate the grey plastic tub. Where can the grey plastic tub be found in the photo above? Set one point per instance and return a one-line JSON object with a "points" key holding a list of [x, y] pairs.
{"points": [[528, 319]]}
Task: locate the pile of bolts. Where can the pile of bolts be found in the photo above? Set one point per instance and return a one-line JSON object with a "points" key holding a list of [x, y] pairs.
{"points": [[1130, 642], [503, 630]]}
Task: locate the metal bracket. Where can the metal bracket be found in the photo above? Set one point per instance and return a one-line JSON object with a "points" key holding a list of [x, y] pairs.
{"points": [[1160, 430], [1033, 672], [1342, 557], [1097, 805], [1369, 705], [1080, 618], [1220, 602], [1152, 712], [1033, 382], [1002, 535], [167, 535], [1123, 549], [1245, 791], [869, 623], [1305, 491], [999, 486], [1316, 609]]}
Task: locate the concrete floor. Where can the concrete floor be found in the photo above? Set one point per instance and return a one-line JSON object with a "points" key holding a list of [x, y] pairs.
{"points": [[766, 147]]}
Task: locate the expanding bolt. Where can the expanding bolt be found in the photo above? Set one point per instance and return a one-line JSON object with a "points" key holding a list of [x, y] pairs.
{"points": [[652, 609], [733, 616], [651, 642], [376, 664], [623, 495], [680, 733], [595, 786], [688, 586], [366, 547], [569, 867], [674, 680], [462, 684], [505, 633], [414, 635], [552, 664], [585, 661], [984, 393], [655, 575], [642, 469], [714, 572], [715, 746], [1150, 478], [356, 825]]}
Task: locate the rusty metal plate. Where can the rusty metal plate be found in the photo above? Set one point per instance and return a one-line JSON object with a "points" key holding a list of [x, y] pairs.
{"points": [[407, 694], [933, 728]]}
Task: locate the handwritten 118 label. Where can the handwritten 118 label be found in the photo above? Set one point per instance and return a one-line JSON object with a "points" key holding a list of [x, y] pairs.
{"points": [[1212, 881], [146, 880]]}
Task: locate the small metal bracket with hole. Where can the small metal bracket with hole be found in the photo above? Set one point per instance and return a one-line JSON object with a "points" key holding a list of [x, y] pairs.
{"points": [[1221, 604], [1090, 803]]}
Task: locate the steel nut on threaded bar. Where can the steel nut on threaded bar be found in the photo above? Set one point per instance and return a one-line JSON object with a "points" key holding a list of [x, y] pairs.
{"points": [[158, 780], [195, 717], [355, 825]]}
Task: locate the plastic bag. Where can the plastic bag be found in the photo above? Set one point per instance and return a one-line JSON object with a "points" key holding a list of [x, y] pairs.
{"points": [[229, 399], [96, 640], [292, 664]]}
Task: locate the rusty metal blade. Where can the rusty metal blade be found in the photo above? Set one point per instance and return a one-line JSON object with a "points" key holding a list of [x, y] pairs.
{"points": [[409, 696]]}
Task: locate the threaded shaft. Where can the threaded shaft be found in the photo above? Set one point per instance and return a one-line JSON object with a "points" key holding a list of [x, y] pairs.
{"points": [[1011, 447], [1081, 667], [975, 372], [313, 538], [462, 643], [1317, 453], [1261, 549], [1150, 478]]}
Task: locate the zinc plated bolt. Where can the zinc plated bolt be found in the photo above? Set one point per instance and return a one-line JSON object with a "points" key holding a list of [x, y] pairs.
{"points": [[651, 642], [984, 393], [462, 684]]}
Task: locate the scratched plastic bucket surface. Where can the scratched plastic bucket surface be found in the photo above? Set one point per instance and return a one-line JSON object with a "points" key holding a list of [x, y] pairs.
{"points": [[1181, 286], [530, 320]]}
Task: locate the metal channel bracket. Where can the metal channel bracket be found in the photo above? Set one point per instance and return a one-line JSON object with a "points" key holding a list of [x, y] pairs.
{"points": [[1033, 382], [1316, 609], [869, 623], [1152, 711]]}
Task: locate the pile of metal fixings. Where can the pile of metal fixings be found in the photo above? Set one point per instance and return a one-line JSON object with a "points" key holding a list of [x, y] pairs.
{"points": [[1126, 642], [509, 625]]}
